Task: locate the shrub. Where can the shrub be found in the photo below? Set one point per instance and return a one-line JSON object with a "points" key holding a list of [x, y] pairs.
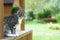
{"points": [[14, 10], [40, 15], [47, 12], [31, 15], [58, 17]]}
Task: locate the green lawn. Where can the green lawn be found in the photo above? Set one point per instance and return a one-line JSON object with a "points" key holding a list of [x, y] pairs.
{"points": [[42, 31]]}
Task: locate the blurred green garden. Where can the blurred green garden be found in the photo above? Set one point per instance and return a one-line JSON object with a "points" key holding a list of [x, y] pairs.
{"points": [[43, 17]]}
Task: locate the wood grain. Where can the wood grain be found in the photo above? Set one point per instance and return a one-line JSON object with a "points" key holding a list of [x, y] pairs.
{"points": [[7, 9], [1, 18], [23, 24], [22, 3]]}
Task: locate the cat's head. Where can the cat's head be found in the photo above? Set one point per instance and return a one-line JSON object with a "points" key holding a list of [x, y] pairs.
{"points": [[21, 13]]}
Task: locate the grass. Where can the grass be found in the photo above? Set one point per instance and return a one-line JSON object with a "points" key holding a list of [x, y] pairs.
{"points": [[42, 31]]}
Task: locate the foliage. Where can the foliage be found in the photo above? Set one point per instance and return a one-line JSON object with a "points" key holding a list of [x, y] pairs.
{"points": [[31, 15], [40, 15], [58, 17], [14, 10], [56, 8], [38, 5], [45, 13]]}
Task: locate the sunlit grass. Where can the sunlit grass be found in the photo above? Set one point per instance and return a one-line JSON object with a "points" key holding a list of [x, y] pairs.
{"points": [[42, 31]]}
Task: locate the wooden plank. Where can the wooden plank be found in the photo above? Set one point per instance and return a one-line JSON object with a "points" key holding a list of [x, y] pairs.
{"points": [[7, 10], [16, 3], [23, 38], [23, 24], [22, 3], [1, 18], [30, 36], [22, 35]]}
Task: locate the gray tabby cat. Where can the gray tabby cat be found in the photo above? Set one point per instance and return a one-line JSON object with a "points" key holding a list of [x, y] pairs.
{"points": [[11, 21]]}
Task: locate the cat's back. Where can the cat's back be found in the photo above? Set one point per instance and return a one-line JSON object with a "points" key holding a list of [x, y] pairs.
{"points": [[10, 19]]}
